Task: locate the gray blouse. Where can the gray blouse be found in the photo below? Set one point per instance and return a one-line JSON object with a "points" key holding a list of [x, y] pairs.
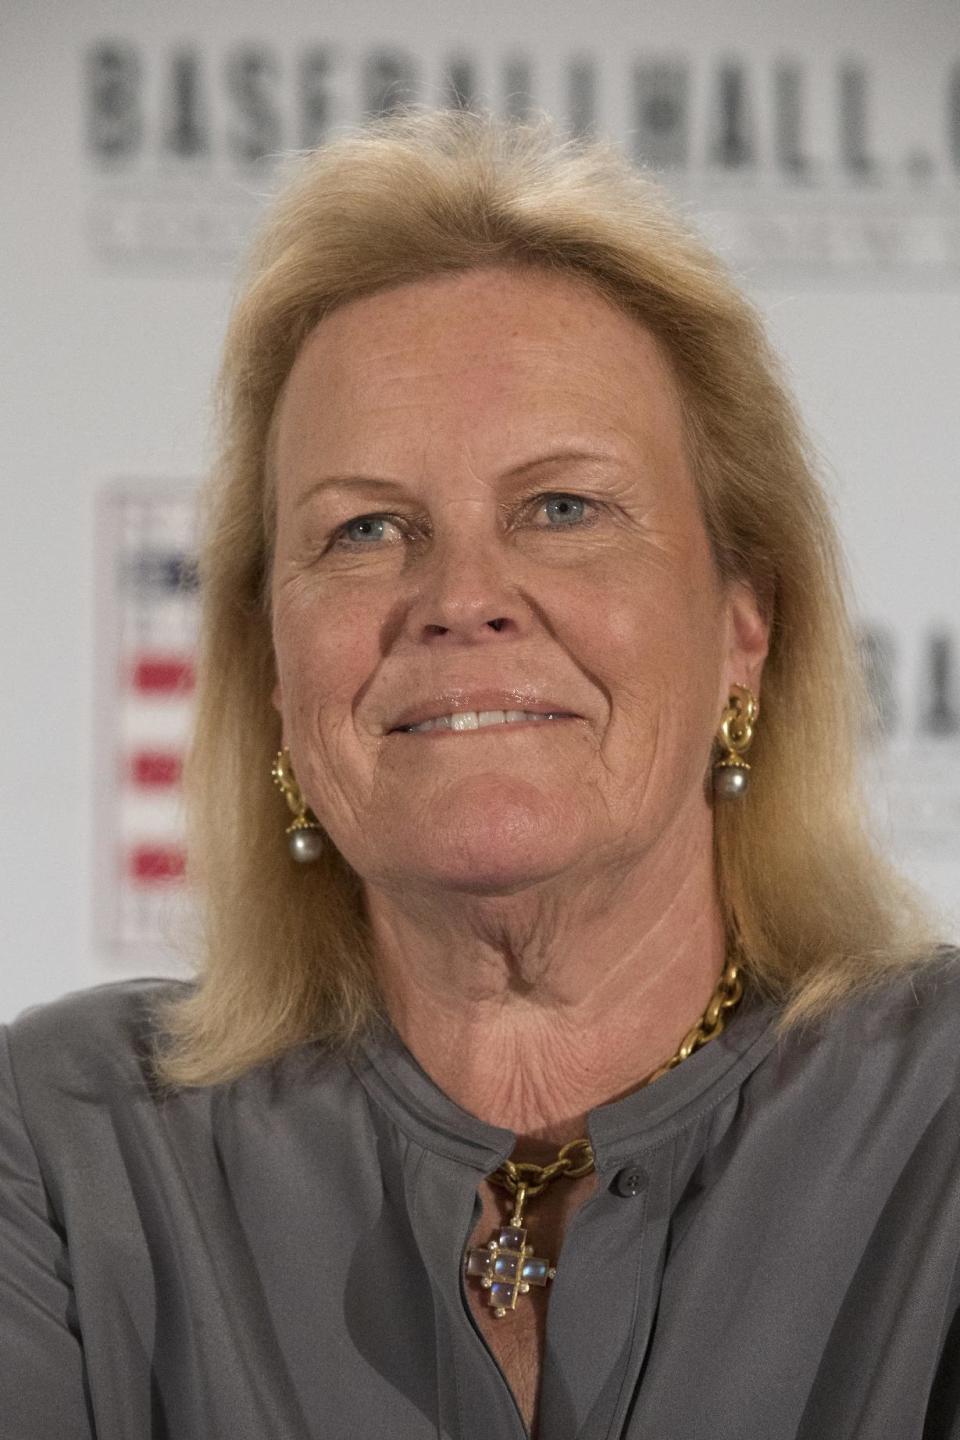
{"points": [[771, 1254]]}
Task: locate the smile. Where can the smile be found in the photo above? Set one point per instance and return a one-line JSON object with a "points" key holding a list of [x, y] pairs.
{"points": [[463, 720]]}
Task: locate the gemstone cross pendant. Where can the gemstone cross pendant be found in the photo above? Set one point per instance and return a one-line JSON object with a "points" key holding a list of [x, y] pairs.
{"points": [[507, 1267]]}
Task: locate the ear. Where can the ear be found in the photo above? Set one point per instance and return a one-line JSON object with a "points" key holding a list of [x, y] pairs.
{"points": [[748, 637], [276, 697]]}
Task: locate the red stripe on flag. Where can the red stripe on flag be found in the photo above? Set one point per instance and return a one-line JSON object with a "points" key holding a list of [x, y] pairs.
{"points": [[155, 768], [162, 674], [151, 863]]}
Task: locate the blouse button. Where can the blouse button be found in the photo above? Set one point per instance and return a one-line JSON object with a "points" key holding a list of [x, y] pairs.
{"points": [[630, 1181]]}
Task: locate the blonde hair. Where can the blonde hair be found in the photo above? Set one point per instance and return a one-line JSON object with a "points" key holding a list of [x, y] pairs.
{"points": [[812, 909]]}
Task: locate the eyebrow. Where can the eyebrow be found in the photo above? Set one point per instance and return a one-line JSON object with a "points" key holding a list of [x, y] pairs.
{"points": [[380, 486]]}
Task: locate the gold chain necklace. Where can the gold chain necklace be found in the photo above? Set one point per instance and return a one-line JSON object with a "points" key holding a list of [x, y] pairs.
{"points": [[507, 1267]]}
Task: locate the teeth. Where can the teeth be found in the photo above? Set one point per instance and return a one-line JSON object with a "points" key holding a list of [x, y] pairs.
{"points": [[475, 720]]}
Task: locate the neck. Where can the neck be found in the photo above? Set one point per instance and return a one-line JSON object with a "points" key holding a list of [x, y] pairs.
{"points": [[531, 1009]]}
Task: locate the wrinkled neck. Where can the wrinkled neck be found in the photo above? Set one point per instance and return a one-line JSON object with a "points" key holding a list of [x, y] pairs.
{"points": [[531, 1009]]}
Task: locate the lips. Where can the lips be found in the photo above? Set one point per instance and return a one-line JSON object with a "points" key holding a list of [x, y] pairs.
{"points": [[482, 720], [459, 701]]}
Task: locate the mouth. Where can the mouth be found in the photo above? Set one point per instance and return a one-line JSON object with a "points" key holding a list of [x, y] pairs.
{"points": [[459, 722]]}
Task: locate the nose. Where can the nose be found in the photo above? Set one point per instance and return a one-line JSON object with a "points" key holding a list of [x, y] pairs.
{"points": [[465, 594]]}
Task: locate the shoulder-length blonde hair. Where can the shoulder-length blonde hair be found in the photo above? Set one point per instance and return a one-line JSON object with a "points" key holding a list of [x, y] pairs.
{"points": [[812, 909]]}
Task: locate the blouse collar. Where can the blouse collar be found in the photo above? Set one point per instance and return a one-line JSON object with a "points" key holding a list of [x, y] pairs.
{"points": [[620, 1129]]}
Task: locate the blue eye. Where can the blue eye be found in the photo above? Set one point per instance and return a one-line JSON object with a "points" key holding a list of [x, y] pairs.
{"points": [[371, 530], [565, 509], [363, 529]]}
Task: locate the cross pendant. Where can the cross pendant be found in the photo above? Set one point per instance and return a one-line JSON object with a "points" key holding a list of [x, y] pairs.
{"points": [[507, 1267]]}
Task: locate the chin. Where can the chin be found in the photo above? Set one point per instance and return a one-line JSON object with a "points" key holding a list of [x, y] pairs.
{"points": [[494, 845], [495, 878]]}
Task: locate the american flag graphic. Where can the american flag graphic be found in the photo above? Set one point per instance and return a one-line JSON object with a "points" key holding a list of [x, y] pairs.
{"points": [[146, 658]]}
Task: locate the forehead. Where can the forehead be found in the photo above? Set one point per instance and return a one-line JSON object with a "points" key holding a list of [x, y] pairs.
{"points": [[494, 358]]}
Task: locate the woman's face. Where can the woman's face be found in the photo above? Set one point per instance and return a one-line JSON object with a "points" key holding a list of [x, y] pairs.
{"points": [[484, 505]]}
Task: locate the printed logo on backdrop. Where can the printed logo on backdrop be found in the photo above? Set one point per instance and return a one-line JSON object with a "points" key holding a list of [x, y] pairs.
{"points": [[148, 615], [912, 741], [808, 166]]}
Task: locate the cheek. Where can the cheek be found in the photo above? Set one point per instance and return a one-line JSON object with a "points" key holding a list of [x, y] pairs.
{"points": [[325, 655], [654, 630], [655, 647]]}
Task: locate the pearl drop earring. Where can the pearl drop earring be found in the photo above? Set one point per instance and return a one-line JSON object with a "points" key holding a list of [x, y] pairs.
{"points": [[304, 836], [731, 773]]}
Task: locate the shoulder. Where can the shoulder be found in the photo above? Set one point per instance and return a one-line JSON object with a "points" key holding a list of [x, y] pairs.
{"points": [[89, 1038], [896, 1036], [918, 1007], [68, 1071]]}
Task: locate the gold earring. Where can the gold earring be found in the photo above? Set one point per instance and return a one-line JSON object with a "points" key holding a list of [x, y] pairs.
{"points": [[304, 836], [731, 773]]}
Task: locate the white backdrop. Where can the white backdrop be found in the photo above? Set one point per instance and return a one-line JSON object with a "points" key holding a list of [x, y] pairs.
{"points": [[819, 145]]}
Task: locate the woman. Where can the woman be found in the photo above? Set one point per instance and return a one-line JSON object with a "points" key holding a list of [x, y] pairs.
{"points": [[573, 1066]]}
